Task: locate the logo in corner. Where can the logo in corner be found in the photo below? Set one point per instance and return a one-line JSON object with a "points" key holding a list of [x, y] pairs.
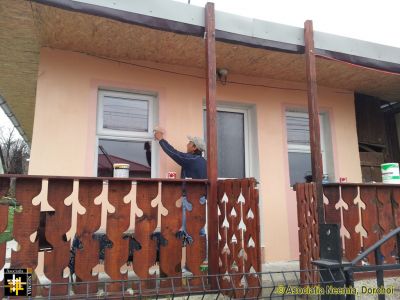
{"points": [[17, 282]]}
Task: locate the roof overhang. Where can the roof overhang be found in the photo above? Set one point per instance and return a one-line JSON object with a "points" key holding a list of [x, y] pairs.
{"points": [[19, 61], [171, 32], [182, 18]]}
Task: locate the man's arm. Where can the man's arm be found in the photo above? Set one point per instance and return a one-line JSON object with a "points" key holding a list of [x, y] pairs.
{"points": [[179, 157]]}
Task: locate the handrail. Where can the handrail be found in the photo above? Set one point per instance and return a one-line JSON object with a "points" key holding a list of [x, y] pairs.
{"points": [[375, 246], [361, 184], [100, 178]]}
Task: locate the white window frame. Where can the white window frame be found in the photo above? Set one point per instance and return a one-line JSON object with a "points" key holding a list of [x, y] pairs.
{"points": [[128, 136], [127, 96], [324, 138]]}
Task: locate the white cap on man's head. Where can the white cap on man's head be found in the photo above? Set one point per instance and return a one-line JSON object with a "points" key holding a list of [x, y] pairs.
{"points": [[199, 142]]}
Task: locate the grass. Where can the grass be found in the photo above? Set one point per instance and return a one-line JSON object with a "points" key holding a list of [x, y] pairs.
{"points": [[7, 235]]}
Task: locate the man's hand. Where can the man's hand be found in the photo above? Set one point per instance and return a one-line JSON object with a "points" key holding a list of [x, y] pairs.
{"points": [[158, 133]]}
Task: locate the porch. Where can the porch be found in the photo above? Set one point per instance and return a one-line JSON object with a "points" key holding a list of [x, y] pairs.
{"points": [[143, 217], [71, 74]]}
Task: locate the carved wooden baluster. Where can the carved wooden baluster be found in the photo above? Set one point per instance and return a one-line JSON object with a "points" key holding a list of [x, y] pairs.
{"points": [[4, 187], [144, 227], [237, 219], [369, 217], [224, 193], [229, 205], [308, 229], [308, 205], [396, 205], [314, 229], [221, 230], [196, 220], [386, 222], [57, 225], [332, 215], [87, 257], [305, 263], [171, 254], [396, 213], [350, 220], [26, 223], [251, 236], [311, 228], [117, 223]]}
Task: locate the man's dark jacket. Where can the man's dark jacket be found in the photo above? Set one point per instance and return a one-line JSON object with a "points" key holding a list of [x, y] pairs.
{"points": [[193, 166]]}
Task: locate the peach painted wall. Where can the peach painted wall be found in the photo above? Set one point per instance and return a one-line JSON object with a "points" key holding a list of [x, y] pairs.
{"points": [[64, 133]]}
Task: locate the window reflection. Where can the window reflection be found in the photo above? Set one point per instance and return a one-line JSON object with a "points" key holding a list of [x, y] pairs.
{"points": [[125, 114], [135, 153], [299, 167], [231, 143]]}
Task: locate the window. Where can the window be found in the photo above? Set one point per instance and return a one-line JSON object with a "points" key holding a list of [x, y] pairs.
{"points": [[233, 142], [124, 133], [299, 153]]}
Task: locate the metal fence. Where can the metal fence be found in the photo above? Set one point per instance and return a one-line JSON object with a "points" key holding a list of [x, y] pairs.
{"points": [[270, 285]]}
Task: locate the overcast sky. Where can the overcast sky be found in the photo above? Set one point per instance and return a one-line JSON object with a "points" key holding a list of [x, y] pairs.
{"points": [[5, 124], [374, 21]]}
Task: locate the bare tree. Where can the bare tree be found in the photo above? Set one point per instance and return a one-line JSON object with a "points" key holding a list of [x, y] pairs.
{"points": [[14, 152]]}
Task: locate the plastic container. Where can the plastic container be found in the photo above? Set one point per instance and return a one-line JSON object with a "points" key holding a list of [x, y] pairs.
{"points": [[390, 173], [121, 170]]}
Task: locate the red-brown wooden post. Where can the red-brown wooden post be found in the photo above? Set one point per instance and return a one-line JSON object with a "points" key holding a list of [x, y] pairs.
{"points": [[315, 142], [212, 152]]}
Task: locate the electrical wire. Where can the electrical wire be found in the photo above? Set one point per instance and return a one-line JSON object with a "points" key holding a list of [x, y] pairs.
{"points": [[190, 75], [356, 65]]}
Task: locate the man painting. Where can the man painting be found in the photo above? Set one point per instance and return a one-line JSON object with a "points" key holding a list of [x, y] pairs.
{"points": [[194, 166]]}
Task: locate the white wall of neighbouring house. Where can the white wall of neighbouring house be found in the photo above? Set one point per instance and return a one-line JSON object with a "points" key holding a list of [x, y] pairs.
{"points": [[64, 133]]}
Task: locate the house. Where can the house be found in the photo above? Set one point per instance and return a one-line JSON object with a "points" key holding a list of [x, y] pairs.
{"points": [[79, 74]]}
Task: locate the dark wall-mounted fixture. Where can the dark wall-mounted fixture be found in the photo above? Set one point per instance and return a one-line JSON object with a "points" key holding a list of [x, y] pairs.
{"points": [[222, 74]]}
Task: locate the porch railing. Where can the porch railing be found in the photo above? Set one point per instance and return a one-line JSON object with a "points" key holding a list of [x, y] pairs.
{"points": [[239, 235], [141, 235], [364, 212]]}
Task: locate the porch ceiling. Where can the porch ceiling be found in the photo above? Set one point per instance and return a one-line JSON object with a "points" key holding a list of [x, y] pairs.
{"points": [[25, 27], [99, 36], [19, 60]]}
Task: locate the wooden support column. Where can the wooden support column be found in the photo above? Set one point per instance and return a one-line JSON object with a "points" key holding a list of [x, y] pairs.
{"points": [[313, 113], [212, 151]]}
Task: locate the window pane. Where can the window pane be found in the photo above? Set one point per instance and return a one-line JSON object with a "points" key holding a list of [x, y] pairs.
{"points": [[231, 145], [299, 167], [136, 154], [125, 114], [298, 129], [230, 140]]}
